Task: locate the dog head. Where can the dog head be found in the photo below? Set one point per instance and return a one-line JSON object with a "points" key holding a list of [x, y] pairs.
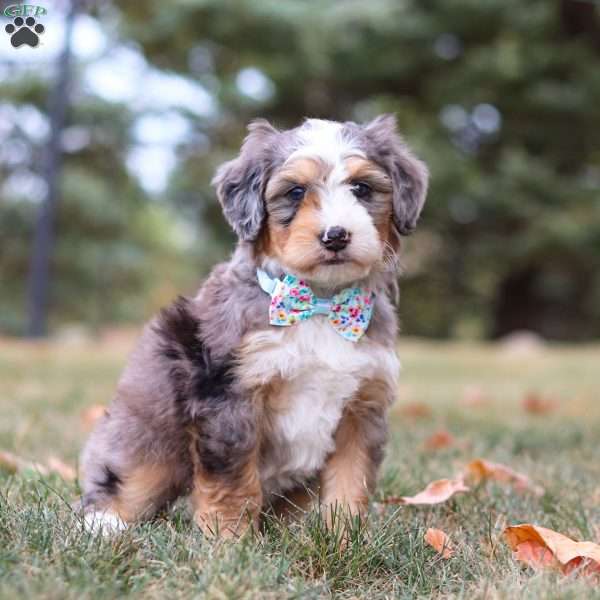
{"points": [[326, 200]]}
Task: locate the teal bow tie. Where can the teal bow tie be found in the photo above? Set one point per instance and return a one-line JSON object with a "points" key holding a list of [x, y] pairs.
{"points": [[349, 312]]}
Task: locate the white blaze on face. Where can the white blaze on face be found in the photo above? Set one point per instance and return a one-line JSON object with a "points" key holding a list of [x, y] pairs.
{"points": [[339, 207], [323, 139]]}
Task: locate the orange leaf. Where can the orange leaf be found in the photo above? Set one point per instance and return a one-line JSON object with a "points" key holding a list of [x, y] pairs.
{"points": [[479, 470], [535, 555], [391, 500], [416, 410], [537, 405], [540, 547], [15, 464], [440, 439], [437, 492], [439, 541]]}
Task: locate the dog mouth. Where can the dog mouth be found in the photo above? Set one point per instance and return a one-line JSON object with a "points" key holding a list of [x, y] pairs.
{"points": [[338, 258], [336, 268], [335, 260]]}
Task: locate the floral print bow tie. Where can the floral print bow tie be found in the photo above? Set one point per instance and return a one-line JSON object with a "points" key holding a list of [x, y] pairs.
{"points": [[349, 312]]}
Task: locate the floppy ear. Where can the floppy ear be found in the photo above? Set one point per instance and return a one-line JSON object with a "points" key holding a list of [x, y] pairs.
{"points": [[241, 182], [409, 175]]}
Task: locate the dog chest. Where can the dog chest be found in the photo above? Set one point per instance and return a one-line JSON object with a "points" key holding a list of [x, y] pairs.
{"points": [[303, 417], [305, 375]]}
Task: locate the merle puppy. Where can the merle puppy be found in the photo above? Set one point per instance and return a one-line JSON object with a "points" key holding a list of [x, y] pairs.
{"points": [[276, 378]]}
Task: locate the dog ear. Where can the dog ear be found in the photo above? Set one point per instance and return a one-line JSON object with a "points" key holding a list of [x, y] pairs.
{"points": [[240, 183], [409, 175]]}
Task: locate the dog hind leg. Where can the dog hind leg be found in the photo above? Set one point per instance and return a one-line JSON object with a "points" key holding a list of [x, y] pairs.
{"points": [[123, 483], [226, 491]]}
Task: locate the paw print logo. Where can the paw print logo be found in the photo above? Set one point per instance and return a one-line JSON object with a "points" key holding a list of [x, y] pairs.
{"points": [[24, 32]]}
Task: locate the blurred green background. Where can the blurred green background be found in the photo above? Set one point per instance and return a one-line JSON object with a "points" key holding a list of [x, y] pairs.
{"points": [[501, 98]]}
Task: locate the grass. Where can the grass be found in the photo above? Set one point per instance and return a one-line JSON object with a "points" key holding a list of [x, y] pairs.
{"points": [[44, 552]]}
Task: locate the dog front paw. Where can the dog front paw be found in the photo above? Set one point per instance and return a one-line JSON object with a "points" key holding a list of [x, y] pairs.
{"points": [[106, 523], [227, 527], [339, 514]]}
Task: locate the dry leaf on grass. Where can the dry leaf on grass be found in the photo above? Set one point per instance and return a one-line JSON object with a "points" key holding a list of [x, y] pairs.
{"points": [[439, 541], [439, 440], [479, 470], [539, 547], [91, 415], [15, 464], [435, 493], [416, 410], [537, 404]]}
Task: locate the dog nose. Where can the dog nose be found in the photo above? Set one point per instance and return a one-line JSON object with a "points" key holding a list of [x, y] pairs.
{"points": [[335, 238]]}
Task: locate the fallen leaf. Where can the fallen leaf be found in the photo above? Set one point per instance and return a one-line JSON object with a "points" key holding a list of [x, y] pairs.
{"points": [[479, 470], [439, 440], [56, 465], [435, 493], [15, 464], [537, 404], [539, 547], [439, 541], [416, 410], [91, 415], [390, 500], [534, 554]]}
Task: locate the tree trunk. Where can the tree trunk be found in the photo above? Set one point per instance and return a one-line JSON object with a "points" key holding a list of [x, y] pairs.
{"points": [[44, 236]]}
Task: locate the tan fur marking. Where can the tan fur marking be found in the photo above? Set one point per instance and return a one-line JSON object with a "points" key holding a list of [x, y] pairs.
{"points": [[300, 171], [384, 228], [264, 244], [295, 245], [393, 238], [272, 396], [226, 506], [310, 173], [296, 503], [344, 481], [140, 492], [360, 169], [350, 473]]}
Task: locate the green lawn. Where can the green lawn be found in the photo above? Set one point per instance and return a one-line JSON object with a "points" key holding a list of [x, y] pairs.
{"points": [[44, 552]]}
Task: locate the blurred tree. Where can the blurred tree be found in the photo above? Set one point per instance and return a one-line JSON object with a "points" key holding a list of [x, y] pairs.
{"points": [[43, 241], [501, 98], [111, 238]]}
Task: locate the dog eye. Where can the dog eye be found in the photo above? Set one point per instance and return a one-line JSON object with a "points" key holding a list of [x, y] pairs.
{"points": [[361, 190], [296, 193]]}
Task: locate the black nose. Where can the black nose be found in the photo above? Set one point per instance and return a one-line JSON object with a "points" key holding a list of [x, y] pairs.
{"points": [[335, 238]]}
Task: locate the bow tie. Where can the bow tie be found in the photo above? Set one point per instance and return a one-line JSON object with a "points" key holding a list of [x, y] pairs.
{"points": [[292, 301]]}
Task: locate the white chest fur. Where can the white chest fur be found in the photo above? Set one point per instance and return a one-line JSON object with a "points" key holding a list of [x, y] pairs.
{"points": [[307, 373]]}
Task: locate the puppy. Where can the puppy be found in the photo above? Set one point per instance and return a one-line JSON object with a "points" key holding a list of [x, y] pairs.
{"points": [[276, 378]]}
